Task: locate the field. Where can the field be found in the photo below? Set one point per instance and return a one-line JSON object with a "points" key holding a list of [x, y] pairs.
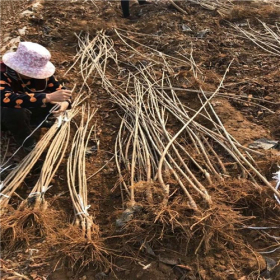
{"points": [[156, 174]]}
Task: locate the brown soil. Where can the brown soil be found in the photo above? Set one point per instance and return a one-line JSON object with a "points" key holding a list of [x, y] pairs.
{"points": [[211, 245]]}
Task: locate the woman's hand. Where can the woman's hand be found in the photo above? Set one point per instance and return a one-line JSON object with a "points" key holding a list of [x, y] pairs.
{"points": [[63, 107], [58, 96]]}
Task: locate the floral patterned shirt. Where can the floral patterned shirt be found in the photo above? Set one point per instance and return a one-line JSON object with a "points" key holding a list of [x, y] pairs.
{"points": [[26, 93]]}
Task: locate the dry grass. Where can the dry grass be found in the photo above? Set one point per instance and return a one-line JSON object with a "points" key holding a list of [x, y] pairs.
{"points": [[254, 11], [10, 8]]}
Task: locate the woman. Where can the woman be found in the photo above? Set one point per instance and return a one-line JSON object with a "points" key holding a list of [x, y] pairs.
{"points": [[29, 90]]}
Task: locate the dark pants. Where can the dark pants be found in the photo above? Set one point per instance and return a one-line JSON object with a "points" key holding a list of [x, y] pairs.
{"points": [[125, 7], [19, 122]]}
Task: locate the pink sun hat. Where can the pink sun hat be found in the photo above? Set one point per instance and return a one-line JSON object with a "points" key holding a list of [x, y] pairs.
{"points": [[30, 59]]}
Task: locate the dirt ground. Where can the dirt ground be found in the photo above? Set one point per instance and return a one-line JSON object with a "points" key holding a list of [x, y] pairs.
{"points": [[221, 246]]}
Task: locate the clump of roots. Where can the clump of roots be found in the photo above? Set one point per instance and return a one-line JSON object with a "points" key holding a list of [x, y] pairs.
{"points": [[192, 235], [151, 219], [79, 251], [20, 227]]}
